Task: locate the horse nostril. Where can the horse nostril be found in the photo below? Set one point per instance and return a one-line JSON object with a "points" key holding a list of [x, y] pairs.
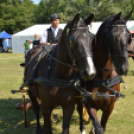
{"points": [[87, 76], [92, 76]]}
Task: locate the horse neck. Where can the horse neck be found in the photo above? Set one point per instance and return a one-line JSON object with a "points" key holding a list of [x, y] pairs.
{"points": [[63, 71], [102, 60]]}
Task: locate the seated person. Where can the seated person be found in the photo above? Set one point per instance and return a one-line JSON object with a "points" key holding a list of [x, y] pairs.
{"points": [[53, 34]]}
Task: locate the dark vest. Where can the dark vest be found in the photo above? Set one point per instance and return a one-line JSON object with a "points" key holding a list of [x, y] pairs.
{"points": [[51, 38]]}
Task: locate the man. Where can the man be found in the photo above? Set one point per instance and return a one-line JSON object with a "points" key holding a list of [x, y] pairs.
{"points": [[4, 43], [53, 34]]}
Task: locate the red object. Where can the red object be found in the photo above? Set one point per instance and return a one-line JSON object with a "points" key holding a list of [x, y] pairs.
{"points": [[132, 32], [20, 106]]}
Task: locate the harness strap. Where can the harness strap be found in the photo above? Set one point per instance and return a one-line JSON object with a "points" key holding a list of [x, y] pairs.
{"points": [[116, 93], [107, 84], [104, 69], [61, 62], [49, 66], [56, 82]]}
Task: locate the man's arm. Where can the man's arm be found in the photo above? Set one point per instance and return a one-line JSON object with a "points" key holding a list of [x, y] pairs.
{"points": [[44, 37], [23, 46]]}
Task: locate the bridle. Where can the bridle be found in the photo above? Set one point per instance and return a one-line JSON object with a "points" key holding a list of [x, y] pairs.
{"points": [[107, 35], [69, 43]]}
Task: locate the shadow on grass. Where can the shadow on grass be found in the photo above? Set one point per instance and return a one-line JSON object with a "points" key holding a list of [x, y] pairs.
{"points": [[12, 119], [130, 73]]}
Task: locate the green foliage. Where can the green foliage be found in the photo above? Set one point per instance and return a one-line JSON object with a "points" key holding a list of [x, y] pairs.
{"points": [[16, 15]]}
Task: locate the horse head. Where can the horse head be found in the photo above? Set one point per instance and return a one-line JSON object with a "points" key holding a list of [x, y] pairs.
{"points": [[78, 41], [117, 37]]}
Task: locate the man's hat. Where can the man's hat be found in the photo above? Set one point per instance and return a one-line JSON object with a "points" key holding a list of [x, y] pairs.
{"points": [[54, 16]]}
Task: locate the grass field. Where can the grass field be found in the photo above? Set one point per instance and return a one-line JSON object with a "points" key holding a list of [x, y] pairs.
{"points": [[11, 120]]}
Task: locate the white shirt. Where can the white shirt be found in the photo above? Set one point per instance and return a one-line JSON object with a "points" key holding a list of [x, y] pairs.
{"points": [[45, 35], [31, 45]]}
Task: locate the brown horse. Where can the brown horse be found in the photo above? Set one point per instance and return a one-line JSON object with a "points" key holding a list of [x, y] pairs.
{"points": [[110, 49], [73, 49]]}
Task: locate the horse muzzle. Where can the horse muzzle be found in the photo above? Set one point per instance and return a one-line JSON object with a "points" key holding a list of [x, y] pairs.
{"points": [[89, 71]]}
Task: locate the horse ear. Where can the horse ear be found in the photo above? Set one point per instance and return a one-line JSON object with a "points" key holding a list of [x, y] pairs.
{"points": [[116, 17], [76, 19], [89, 19], [128, 16]]}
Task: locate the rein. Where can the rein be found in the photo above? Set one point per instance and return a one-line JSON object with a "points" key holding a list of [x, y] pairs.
{"points": [[61, 62], [68, 45]]}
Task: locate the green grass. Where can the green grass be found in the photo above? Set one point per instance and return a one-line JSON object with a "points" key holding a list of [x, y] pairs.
{"points": [[11, 120]]}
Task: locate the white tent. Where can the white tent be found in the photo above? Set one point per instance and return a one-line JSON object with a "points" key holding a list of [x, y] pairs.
{"points": [[19, 38]]}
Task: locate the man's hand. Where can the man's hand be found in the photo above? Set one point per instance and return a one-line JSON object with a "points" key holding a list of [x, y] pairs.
{"points": [[23, 46]]}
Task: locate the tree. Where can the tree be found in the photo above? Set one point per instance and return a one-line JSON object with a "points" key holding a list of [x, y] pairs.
{"points": [[16, 15]]}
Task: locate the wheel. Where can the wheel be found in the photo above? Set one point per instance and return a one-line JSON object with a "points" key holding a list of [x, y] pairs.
{"points": [[24, 111]]}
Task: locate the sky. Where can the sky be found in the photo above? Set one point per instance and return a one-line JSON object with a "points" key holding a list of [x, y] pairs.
{"points": [[36, 1]]}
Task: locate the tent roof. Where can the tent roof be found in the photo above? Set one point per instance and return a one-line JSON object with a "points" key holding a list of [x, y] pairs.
{"points": [[36, 29], [5, 35]]}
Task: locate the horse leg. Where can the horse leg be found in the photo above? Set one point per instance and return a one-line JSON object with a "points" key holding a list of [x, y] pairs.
{"points": [[67, 113], [80, 111], [36, 109], [106, 115], [93, 116], [47, 129]]}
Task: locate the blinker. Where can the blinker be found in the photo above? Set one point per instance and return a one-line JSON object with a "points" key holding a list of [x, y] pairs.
{"points": [[67, 31], [72, 42]]}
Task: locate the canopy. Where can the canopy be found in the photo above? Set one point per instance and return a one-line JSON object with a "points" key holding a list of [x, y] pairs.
{"points": [[5, 35]]}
